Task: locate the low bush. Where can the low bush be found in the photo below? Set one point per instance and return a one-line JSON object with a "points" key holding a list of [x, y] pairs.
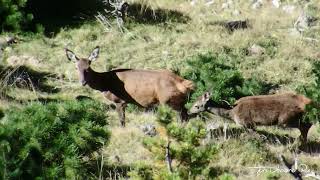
{"points": [[312, 92], [12, 15], [51, 141], [211, 73], [190, 156]]}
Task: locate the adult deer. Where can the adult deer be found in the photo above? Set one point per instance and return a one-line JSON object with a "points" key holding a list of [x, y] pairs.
{"points": [[284, 110], [141, 87]]}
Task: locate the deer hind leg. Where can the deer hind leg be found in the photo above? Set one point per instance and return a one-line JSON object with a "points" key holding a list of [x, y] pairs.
{"points": [[177, 104], [121, 107], [304, 129], [183, 114]]}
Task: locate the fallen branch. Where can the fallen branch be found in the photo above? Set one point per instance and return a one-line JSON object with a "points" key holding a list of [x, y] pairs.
{"points": [[291, 167], [168, 157]]}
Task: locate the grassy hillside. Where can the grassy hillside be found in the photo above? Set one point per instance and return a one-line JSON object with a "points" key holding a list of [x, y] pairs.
{"points": [[36, 69]]}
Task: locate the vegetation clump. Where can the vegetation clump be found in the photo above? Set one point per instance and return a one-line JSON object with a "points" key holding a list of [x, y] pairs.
{"points": [[52, 140], [211, 72], [191, 158], [13, 16]]}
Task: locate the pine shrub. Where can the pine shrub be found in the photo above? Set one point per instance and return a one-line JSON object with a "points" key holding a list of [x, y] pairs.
{"points": [[213, 72], [12, 15], [51, 141], [186, 150], [312, 92]]}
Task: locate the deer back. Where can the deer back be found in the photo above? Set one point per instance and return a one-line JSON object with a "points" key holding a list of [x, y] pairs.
{"points": [[270, 109]]}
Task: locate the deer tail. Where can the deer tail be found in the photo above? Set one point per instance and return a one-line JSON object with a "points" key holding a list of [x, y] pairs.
{"points": [[186, 86]]}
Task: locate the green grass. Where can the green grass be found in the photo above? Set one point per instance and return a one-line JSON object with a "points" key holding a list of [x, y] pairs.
{"points": [[288, 61]]}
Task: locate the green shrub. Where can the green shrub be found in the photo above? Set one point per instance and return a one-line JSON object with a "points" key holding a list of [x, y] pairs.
{"points": [[210, 73], [226, 176], [12, 15], [186, 148], [50, 141], [312, 92]]}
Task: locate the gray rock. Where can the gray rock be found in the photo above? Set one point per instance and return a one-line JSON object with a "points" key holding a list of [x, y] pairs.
{"points": [[209, 2], [149, 130], [276, 3], [193, 2], [236, 12], [303, 22], [288, 9], [257, 4], [256, 50], [227, 4]]}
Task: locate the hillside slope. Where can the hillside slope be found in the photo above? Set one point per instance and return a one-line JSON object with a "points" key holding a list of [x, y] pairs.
{"points": [[270, 49]]}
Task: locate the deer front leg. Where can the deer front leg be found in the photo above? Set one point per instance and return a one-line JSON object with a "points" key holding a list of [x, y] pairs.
{"points": [[184, 115], [121, 107]]}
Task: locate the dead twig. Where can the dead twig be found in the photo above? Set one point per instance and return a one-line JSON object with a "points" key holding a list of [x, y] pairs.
{"points": [[168, 157]]}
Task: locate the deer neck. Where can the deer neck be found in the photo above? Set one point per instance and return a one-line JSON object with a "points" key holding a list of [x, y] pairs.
{"points": [[96, 80], [225, 113]]}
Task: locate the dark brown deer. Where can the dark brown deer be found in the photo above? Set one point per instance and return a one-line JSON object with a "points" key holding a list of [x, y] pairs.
{"points": [[284, 110], [141, 87]]}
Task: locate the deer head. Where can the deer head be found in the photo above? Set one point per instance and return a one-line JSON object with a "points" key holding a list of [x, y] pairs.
{"points": [[204, 103], [83, 64], [201, 103]]}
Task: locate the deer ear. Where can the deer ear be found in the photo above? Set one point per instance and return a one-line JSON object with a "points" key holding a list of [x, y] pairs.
{"points": [[71, 56], [206, 96], [95, 53]]}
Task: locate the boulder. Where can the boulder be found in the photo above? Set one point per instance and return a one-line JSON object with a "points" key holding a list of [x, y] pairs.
{"points": [[257, 4], [256, 50], [149, 130]]}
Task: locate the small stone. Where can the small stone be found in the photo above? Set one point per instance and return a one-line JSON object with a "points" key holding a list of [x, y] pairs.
{"points": [[236, 12], [209, 2], [276, 3], [227, 4], [257, 4], [149, 130], [294, 32], [303, 22], [288, 9], [193, 2], [256, 50], [22, 60]]}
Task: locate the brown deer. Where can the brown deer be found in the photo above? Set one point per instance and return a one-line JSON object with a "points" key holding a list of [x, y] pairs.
{"points": [[284, 110], [141, 87]]}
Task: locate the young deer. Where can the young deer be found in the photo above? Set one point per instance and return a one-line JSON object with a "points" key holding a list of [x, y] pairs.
{"points": [[141, 87], [284, 110]]}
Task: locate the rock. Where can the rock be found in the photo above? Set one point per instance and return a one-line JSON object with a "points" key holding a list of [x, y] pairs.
{"points": [[276, 3], [227, 4], [6, 41], [236, 12], [193, 2], [303, 22], [257, 4], [209, 2], [294, 32], [22, 60], [256, 50], [149, 130], [234, 25], [288, 9]]}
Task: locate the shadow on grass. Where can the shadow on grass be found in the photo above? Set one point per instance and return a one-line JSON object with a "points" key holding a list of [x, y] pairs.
{"points": [[311, 147], [27, 78], [56, 14], [119, 171], [237, 132], [145, 15]]}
